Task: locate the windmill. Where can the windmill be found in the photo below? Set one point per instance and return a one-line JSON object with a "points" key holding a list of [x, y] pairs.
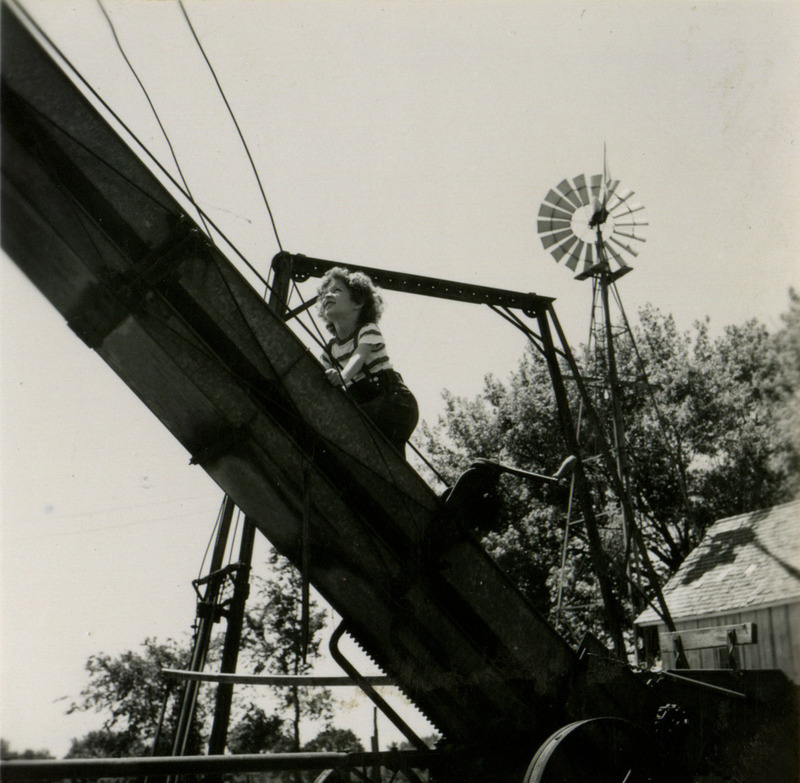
{"points": [[589, 222], [593, 224]]}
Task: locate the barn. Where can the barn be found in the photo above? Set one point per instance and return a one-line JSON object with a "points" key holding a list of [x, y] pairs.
{"points": [[735, 600]]}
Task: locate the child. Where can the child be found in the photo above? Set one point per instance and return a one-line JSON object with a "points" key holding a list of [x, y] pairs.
{"points": [[356, 357]]}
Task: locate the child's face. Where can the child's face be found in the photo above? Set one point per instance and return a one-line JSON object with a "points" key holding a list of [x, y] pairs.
{"points": [[338, 302]]}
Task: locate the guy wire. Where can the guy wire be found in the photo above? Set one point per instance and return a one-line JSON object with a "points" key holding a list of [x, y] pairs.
{"points": [[122, 124], [238, 129], [155, 113]]}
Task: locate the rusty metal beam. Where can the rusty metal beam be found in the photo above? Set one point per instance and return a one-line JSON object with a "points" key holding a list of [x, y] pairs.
{"points": [[302, 267]]}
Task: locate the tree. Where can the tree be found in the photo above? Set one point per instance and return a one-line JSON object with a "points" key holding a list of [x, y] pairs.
{"points": [[108, 743], [276, 639], [256, 732], [517, 423], [131, 692], [140, 705], [723, 403], [6, 754], [712, 428], [785, 458], [333, 740]]}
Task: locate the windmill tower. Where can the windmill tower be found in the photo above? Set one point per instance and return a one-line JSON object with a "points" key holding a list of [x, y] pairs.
{"points": [[594, 225]]}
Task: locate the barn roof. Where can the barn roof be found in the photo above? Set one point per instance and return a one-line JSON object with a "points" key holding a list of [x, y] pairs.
{"points": [[743, 562]]}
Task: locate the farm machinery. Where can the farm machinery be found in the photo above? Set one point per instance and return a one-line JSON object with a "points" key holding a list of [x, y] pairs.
{"points": [[101, 236]]}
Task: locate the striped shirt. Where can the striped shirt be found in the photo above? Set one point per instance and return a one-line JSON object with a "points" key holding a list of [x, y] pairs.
{"points": [[340, 351]]}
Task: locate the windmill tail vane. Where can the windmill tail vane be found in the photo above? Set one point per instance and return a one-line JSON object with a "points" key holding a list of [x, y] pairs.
{"points": [[591, 223]]}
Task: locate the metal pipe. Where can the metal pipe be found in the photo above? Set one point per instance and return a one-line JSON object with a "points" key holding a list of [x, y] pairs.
{"points": [[20, 771], [701, 684], [233, 638], [203, 635], [277, 679]]}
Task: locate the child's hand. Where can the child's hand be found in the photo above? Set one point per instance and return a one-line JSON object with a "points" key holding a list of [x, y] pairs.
{"points": [[334, 377]]}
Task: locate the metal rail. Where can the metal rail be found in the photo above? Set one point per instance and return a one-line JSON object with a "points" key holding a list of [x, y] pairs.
{"points": [[277, 679], [19, 771], [302, 267]]}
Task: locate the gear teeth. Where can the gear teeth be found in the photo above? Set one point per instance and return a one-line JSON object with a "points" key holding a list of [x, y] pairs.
{"points": [[399, 687]]}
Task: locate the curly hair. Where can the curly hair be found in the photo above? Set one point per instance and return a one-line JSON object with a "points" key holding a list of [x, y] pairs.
{"points": [[363, 291]]}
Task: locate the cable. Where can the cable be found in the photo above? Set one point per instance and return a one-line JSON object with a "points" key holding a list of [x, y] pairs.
{"points": [[153, 109], [232, 537], [286, 410], [134, 138], [238, 130], [533, 338], [305, 308], [211, 539], [428, 464], [181, 189], [561, 571]]}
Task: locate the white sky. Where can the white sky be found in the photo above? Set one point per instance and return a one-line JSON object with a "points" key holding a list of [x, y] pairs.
{"points": [[416, 136]]}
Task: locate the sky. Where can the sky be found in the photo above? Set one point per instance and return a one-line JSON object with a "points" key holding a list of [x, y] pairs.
{"points": [[413, 136]]}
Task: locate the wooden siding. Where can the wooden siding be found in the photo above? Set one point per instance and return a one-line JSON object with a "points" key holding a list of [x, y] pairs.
{"points": [[778, 645]]}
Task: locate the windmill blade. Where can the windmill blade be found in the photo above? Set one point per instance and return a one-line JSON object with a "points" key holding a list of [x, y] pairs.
{"points": [[582, 190], [625, 208], [569, 192], [629, 235], [607, 186], [559, 236], [547, 211], [611, 189], [575, 255], [554, 224], [590, 258], [634, 223], [619, 197], [621, 263], [596, 186], [558, 201], [628, 248], [559, 251]]}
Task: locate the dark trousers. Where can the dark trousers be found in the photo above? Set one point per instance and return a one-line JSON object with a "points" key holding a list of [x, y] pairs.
{"points": [[389, 404]]}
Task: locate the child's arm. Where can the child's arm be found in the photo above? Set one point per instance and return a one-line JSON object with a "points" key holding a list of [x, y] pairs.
{"points": [[353, 366]]}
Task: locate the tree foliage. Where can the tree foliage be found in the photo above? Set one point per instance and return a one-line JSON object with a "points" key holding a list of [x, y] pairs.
{"points": [[256, 732], [277, 640], [132, 694], [138, 703], [334, 740], [711, 426], [7, 754]]}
